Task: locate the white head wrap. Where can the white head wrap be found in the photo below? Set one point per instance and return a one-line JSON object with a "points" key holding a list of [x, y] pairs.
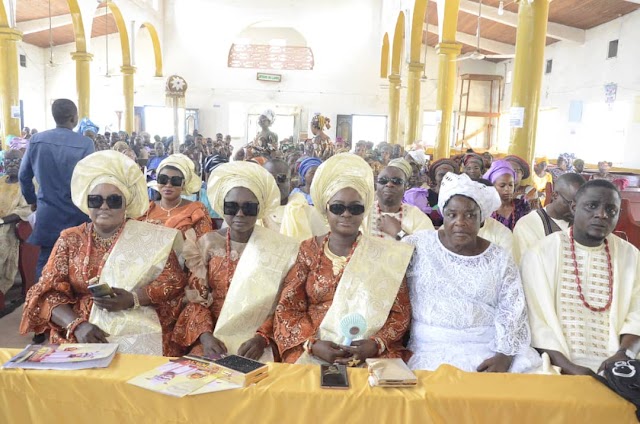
{"points": [[243, 174], [345, 170], [485, 196], [419, 156], [110, 167], [271, 116], [192, 181]]}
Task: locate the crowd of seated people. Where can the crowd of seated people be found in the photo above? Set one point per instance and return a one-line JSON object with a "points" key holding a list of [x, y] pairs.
{"points": [[454, 262]]}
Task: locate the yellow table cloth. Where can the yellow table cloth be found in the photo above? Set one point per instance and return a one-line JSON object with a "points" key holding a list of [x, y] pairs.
{"points": [[292, 394]]}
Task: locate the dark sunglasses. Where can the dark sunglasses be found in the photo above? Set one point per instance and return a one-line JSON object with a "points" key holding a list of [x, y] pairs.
{"points": [[395, 181], [176, 180], [281, 178], [95, 201], [248, 209], [338, 209]]}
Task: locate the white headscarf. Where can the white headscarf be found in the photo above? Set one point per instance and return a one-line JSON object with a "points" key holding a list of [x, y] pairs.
{"points": [[271, 116], [110, 167], [243, 174], [192, 181], [419, 156], [486, 197]]}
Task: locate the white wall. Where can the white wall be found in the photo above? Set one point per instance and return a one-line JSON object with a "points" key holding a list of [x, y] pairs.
{"points": [[580, 73], [345, 38], [32, 86]]}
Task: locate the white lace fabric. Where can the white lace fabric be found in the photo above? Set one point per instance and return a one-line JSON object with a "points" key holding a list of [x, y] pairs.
{"points": [[465, 308]]}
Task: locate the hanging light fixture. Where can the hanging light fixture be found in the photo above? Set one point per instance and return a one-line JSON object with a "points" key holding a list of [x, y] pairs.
{"points": [[501, 8], [426, 48], [51, 63], [106, 38]]}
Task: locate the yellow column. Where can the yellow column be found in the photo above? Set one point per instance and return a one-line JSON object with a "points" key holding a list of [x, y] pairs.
{"points": [[447, 54], [83, 82], [415, 71], [413, 102], [127, 87], [394, 108], [9, 80], [527, 74], [394, 80]]}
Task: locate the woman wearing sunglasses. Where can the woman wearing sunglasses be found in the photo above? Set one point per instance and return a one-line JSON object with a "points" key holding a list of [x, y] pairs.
{"points": [[344, 272], [391, 219], [236, 272], [176, 174], [135, 259]]}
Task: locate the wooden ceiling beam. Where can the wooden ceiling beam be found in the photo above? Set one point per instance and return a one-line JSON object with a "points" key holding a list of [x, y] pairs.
{"points": [[39, 25], [485, 43], [554, 30]]}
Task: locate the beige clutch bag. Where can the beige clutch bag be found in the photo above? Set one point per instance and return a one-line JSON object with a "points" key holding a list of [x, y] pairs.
{"points": [[390, 373]]}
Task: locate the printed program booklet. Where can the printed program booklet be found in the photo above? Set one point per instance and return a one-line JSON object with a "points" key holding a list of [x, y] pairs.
{"points": [[71, 356], [186, 376]]}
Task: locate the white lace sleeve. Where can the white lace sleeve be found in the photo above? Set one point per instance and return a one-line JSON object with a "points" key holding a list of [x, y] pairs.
{"points": [[512, 328]]}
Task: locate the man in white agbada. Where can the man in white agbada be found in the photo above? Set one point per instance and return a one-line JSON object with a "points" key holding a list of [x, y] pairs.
{"points": [[583, 287], [556, 216], [468, 304]]}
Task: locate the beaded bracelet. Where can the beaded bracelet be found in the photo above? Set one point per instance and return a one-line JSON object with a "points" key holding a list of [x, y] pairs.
{"points": [[136, 300], [71, 327], [380, 344], [308, 345]]}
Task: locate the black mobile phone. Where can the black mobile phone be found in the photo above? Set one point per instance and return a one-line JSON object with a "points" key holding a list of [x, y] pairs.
{"points": [[101, 290], [334, 376]]}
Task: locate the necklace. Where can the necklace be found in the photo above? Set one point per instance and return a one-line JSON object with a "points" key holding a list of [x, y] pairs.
{"points": [[105, 243], [325, 243], [168, 211], [379, 211], [578, 282], [228, 252]]}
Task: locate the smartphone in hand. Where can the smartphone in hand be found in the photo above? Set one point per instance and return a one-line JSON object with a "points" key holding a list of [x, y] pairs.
{"points": [[334, 376], [101, 290]]}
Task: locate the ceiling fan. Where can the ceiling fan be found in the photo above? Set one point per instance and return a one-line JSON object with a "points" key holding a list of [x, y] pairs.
{"points": [[477, 54]]}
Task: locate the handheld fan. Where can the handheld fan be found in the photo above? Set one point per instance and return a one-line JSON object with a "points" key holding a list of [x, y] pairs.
{"points": [[352, 326]]}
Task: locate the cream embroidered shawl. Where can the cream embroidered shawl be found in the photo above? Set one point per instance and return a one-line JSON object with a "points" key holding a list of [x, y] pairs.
{"points": [[255, 286], [138, 258], [369, 286]]}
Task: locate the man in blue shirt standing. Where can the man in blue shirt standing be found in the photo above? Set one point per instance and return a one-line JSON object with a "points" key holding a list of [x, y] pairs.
{"points": [[51, 157]]}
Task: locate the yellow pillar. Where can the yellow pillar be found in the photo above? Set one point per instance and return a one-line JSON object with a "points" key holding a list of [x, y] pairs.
{"points": [[447, 54], [83, 82], [394, 108], [127, 87], [527, 74], [415, 71], [413, 102], [394, 80], [9, 80], [384, 57]]}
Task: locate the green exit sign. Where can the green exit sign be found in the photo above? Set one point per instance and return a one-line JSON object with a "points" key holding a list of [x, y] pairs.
{"points": [[269, 77]]}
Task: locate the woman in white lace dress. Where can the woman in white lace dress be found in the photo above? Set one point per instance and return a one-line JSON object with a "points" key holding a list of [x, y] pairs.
{"points": [[468, 303]]}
